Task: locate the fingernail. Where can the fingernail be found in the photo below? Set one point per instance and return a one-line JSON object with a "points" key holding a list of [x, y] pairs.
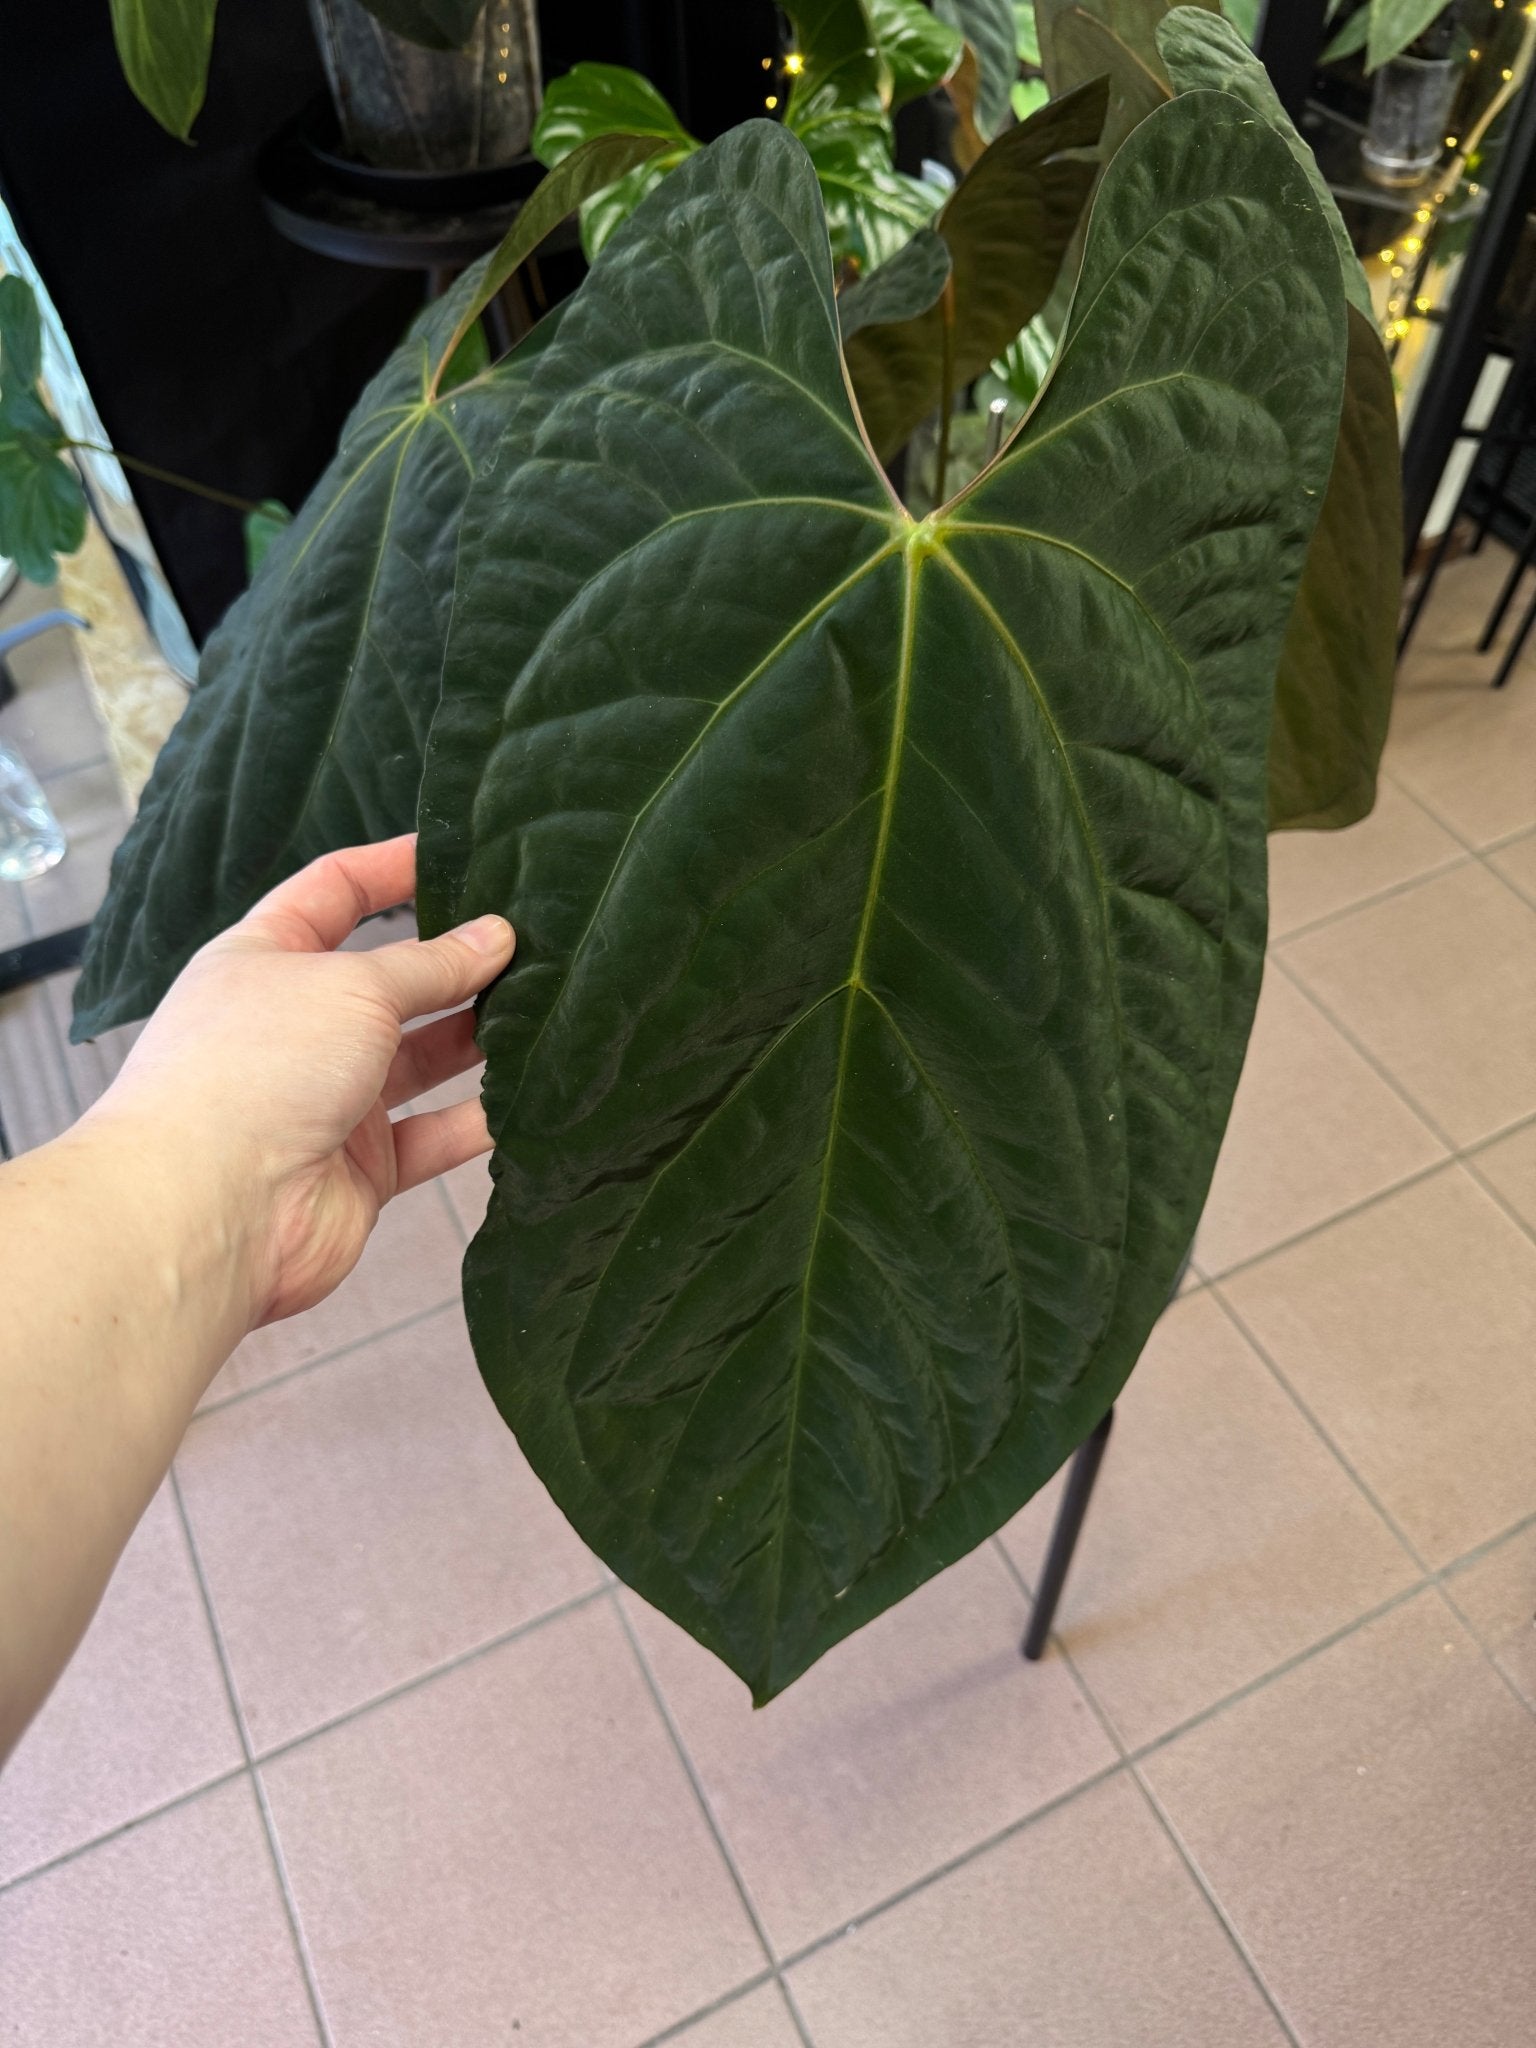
{"points": [[486, 935]]}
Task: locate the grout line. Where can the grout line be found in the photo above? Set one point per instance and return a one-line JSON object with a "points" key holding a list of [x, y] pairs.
{"points": [[279, 1868], [1489, 1544], [715, 1829], [1344, 1215], [1464, 859], [704, 2012], [294, 1372], [421, 1678], [124, 1827], [1197, 1875], [1501, 1200]]}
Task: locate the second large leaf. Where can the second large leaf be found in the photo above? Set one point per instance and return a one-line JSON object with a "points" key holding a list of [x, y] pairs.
{"points": [[889, 894]]}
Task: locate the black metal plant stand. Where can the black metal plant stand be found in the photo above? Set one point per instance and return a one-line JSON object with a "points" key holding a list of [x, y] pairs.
{"points": [[1081, 1474]]}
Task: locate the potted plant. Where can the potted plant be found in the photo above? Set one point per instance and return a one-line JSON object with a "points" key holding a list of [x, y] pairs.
{"points": [[890, 890]]}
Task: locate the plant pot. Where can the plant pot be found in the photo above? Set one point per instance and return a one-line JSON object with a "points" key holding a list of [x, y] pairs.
{"points": [[1405, 134], [432, 110]]}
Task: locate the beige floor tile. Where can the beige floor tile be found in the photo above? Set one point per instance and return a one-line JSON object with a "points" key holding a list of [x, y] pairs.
{"points": [[139, 1717], [1497, 1594], [1440, 984], [1223, 1536], [170, 1936], [1369, 1823], [1408, 1330], [411, 1264], [1083, 1931], [510, 1853], [757, 2021], [904, 1746], [1517, 863], [1316, 874], [1509, 1164], [361, 1524], [1461, 747], [1314, 1130]]}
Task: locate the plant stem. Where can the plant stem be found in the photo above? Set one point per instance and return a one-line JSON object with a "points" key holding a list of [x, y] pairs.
{"points": [[168, 476], [947, 386]]}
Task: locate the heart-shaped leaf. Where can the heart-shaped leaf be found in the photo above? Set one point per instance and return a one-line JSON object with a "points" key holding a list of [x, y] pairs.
{"points": [[163, 47], [1007, 228], [593, 101], [890, 896], [899, 290], [307, 727], [1117, 39], [989, 28]]}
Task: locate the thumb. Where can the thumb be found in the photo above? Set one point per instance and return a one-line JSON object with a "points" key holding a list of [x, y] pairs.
{"points": [[437, 974]]}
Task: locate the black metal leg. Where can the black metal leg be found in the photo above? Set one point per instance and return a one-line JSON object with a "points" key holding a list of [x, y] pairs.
{"points": [[1512, 655], [1081, 1474]]}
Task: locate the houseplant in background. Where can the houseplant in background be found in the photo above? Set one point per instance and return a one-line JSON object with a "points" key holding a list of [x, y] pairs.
{"points": [[419, 85], [890, 891]]}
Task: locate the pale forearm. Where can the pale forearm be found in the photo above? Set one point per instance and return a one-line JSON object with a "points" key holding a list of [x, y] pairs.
{"points": [[126, 1284]]}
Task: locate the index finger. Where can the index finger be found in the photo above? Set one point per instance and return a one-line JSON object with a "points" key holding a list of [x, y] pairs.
{"points": [[314, 910]]}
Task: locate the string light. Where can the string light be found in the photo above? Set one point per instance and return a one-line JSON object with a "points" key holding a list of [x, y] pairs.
{"points": [[771, 102], [794, 64]]}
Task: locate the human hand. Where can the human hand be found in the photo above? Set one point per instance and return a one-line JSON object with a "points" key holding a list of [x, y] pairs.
{"points": [[274, 1061]]}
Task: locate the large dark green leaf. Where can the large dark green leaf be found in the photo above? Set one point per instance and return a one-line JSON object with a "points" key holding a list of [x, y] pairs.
{"points": [[1007, 228], [308, 724], [989, 27], [1117, 39], [1333, 692], [890, 896], [899, 290], [163, 47], [21, 335], [434, 24]]}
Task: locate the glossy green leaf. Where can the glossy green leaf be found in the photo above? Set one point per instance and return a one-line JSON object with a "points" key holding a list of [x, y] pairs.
{"points": [[1351, 37], [42, 502], [434, 24], [1026, 32], [988, 26], [890, 896], [1333, 692], [842, 70], [163, 47], [899, 290], [1007, 228], [21, 335], [593, 101], [1117, 39], [1394, 24], [872, 209], [1244, 17], [920, 49]]}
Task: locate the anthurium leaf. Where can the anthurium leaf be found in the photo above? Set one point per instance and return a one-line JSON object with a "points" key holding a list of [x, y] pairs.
{"points": [[21, 335], [919, 47], [1202, 52], [900, 289], [307, 726], [1244, 17], [163, 47], [1007, 228], [1394, 24], [262, 526], [42, 502], [890, 896], [1351, 37], [434, 24], [988, 27], [872, 208], [1117, 39], [1333, 692]]}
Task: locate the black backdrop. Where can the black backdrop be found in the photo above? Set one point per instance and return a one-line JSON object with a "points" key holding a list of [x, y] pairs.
{"points": [[211, 345]]}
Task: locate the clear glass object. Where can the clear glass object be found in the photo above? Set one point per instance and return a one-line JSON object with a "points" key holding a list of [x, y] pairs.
{"points": [[405, 108], [31, 838], [1406, 130]]}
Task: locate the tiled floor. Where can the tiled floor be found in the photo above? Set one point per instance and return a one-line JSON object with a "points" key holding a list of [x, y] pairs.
{"points": [[365, 1750]]}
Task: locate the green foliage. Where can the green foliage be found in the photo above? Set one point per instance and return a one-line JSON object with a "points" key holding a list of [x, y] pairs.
{"points": [[1383, 29], [990, 29], [262, 527], [1007, 228], [919, 46], [890, 894], [594, 100], [42, 501], [899, 290]]}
